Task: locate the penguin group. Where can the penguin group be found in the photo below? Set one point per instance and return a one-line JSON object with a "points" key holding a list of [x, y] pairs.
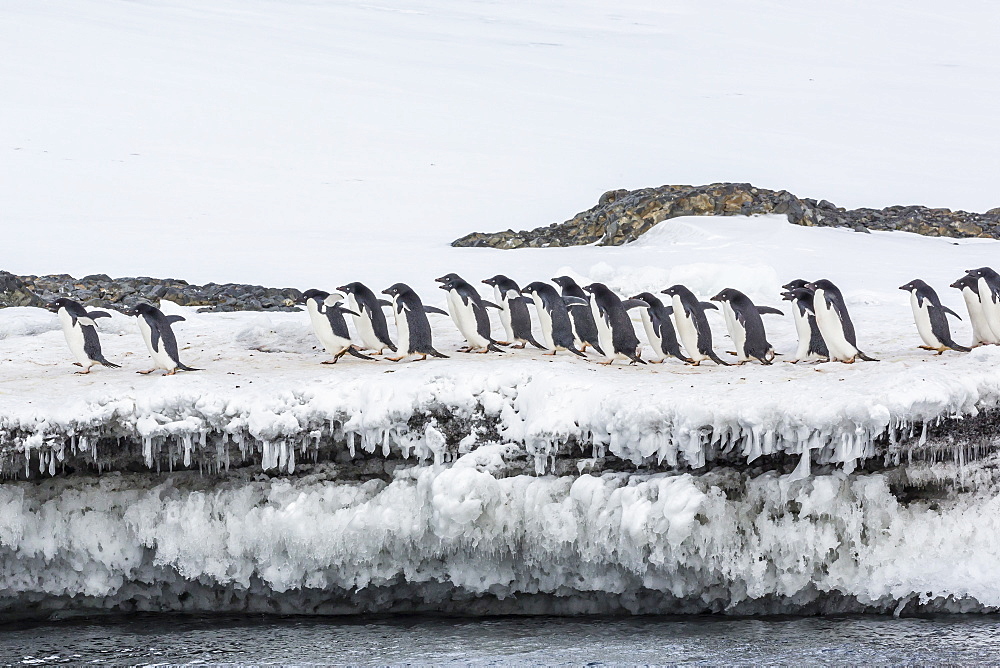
{"points": [[574, 318]]}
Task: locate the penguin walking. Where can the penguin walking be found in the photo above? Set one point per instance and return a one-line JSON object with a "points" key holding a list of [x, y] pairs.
{"points": [[931, 317], [326, 313], [584, 325], [988, 287], [659, 329], [553, 318], [811, 346], [692, 325], [514, 314], [369, 322], [746, 328], [614, 328], [413, 330], [468, 311], [80, 329], [982, 333], [158, 335], [835, 323]]}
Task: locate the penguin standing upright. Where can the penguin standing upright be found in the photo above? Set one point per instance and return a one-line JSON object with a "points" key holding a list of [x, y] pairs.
{"points": [[614, 328], [835, 323], [746, 328], [413, 331], [692, 325], [553, 318], [659, 329], [370, 320], [988, 287], [158, 335], [326, 313], [982, 333], [513, 311], [468, 311], [584, 326], [931, 317], [811, 346], [80, 331]]}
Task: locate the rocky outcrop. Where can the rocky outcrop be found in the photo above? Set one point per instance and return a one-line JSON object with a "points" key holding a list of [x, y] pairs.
{"points": [[103, 291], [621, 216]]}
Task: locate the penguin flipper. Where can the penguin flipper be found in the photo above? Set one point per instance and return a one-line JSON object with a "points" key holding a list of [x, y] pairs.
{"points": [[183, 367], [954, 346], [598, 349], [575, 301], [769, 310], [950, 312], [527, 300], [668, 310], [352, 351], [866, 358], [531, 340], [634, 303], [491, 305], [434, 309], [431, 351], [384, 302], [715, 358], [705, 305], [98, 314], [171, 319], [110, 365], [573, 350]]}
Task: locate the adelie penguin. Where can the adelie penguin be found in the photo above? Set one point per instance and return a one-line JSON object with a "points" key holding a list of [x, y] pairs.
{"points": [[553, 318], [835, 323], [659, 329], [370, 321], [811, 346], [584, 326], [614, 328], [413, 331], [468, 311], [326, 313], [746, 328], [931, 318], [80, 329], [692, 325], [988, 287], [159, 338], [982, 333], [514, 314]]}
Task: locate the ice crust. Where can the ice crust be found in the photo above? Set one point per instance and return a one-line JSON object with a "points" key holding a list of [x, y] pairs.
{"points": [[464, 538]]}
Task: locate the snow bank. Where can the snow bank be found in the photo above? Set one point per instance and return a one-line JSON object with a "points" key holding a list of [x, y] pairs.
{"points": [[464, 538]]}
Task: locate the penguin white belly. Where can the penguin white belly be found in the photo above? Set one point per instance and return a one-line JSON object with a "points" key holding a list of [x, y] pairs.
{"points": [[454, 303], [465, 319], [74, 338], [803, 331], [363, 325], [545, 323], [402, 331], [161, 360], [655, 342], [736, 331], [603, 331], [321, 327], [922, 318], [981, 330], [504, 304], [832, 330], [991, 310], [686, 331]]}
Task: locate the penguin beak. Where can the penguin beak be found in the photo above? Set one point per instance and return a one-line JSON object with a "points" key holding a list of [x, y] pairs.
{"points": [[443, 287], [955, 285], [488, 281], [716, 298], [52, 306], [811, 286], [386, 291], [440, 279], [342, 288]]}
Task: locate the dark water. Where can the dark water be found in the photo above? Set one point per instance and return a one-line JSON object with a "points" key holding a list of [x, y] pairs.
{"points": [[152, 639]]}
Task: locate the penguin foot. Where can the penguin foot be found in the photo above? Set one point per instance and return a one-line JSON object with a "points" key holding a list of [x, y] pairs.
{"points": [[506, 343], [77, 364], [147, 371], [521, 347], [81, 373], [171, 372], [927, 347], [552, 354], [731, 352], [608, 363], [481, 352], [656, 361], [396, 359], [698, 363], [848, 361], [466, 349], [333, 361]]}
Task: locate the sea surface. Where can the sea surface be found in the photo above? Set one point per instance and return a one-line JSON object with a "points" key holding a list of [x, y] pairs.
{"points": [[177, 639]]}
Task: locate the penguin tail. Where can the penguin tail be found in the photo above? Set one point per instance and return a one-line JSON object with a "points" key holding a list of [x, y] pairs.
{"points": [[715, 358], [532, 341], [959, 348], [354, 352], [187, 368], [866, 358], [493, 347], [110, 365], [637, 360], [597, 348], [391, 346], [431, 351], [574, 351]]}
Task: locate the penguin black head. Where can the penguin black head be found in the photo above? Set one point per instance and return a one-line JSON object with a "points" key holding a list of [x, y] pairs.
{"points": [[596, 288], [563, 281], [673, 290], [57, 304], [396, 289], [318, 295], [496, 279], [647, 297], [797, 283], [349, 288], [821, 284], [915, 284], [982, 272], [448, 278], [140, 309], [724, 296], [532, 287], [447, 283], [967, 281]]}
